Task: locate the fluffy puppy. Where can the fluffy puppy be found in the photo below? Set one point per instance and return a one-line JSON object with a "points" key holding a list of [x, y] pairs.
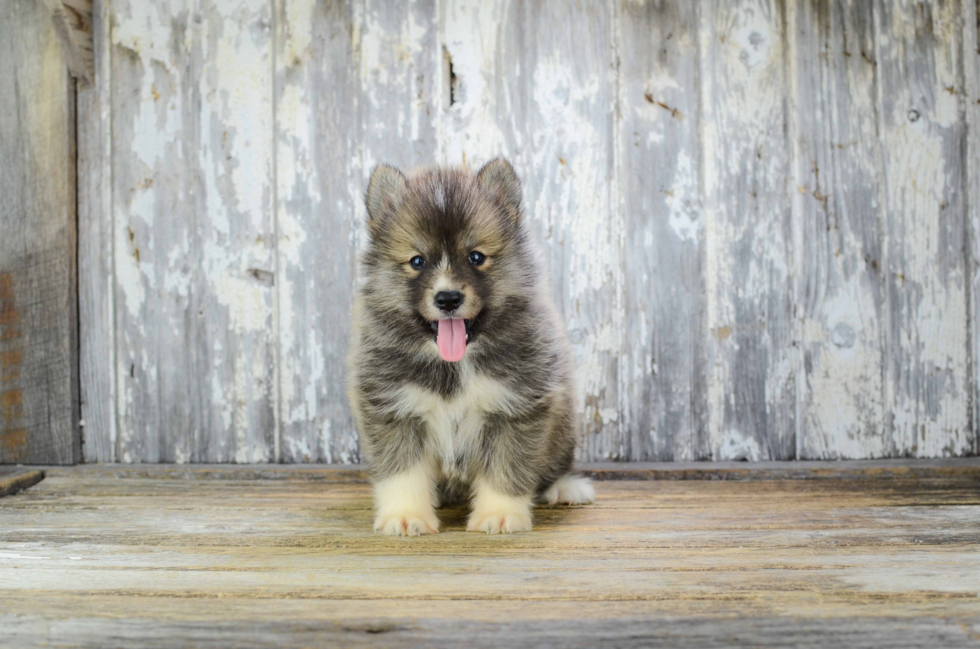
{"points": [[459, 374]]}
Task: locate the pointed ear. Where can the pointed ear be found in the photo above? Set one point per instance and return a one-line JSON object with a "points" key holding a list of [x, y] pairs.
{"points": [[498, 180], [383, 195]]}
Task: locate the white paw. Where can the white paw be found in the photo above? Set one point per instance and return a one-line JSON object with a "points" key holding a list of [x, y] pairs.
{"points": [[570, 490], [406, 524], [500, 521]]}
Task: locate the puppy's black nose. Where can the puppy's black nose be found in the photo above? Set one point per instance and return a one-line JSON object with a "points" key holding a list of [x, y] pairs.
{"points": [[449, 300]]}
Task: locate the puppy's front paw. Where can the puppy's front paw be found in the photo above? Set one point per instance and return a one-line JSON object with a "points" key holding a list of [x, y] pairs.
{"points": [[407, 524], [500, 520]]}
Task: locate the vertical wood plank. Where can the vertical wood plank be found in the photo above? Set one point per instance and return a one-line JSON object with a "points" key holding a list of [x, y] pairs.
{"points": [[568, 71], [317, 157], [96, 278], [38, 298], [194, 235], [971, 93], [238, 243], [485, 89], [148, 169], [923, 145], [484, 96], [753, 361], [399, 66], [663, 399], [837, 209]]}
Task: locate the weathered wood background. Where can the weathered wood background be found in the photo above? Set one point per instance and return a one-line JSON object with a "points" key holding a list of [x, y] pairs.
{"points": [[761, 216]]}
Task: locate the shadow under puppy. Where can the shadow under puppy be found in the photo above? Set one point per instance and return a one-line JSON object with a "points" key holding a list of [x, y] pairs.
{"points": [[459, 373]]}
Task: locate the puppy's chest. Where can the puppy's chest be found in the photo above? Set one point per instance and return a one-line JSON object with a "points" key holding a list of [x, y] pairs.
{"points": [[454, 423]]}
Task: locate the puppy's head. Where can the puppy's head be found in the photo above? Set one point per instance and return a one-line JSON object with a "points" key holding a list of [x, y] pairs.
{"points": [[446, 247]]}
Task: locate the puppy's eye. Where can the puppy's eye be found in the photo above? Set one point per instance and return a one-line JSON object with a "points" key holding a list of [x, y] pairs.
{"points": [[477, 258], [417, 262]]}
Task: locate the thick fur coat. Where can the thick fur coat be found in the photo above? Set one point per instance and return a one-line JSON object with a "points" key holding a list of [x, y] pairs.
{"points": [[459, 372]]}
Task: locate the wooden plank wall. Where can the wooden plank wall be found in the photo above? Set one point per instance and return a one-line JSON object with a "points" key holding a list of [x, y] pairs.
{"points": [[760, 216], [38, 317]]}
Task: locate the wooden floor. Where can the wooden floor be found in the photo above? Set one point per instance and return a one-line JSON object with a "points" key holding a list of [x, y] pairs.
{"points": [[218, 557]]}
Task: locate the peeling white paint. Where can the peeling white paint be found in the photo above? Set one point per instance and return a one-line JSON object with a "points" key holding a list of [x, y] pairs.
{"points": [[470, 133], [140, 28], [737, 446], [684, 200], [246, 301], [570, 195], [326, 437], [129, 275], [299, 447], [747, 253], [927, 378], [292, 236], [387, 57]]}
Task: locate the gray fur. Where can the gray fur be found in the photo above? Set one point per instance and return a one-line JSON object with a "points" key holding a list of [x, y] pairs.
{"points": [[517, 340]]}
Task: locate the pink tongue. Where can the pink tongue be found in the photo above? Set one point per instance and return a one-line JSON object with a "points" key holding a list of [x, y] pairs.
{"points": [[451, 339]]}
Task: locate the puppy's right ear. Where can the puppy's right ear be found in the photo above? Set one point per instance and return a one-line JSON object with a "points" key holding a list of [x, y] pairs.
{"points": [[384, 193], [499, 180]]}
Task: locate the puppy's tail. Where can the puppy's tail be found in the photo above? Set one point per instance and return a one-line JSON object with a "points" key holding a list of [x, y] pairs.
{"points": [[570, 490]]}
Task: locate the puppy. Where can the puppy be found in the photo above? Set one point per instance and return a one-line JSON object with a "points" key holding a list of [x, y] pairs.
{"points": [[459, 373]]}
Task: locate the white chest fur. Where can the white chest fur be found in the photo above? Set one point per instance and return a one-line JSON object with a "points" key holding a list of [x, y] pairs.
{"points": [[454, 424]]}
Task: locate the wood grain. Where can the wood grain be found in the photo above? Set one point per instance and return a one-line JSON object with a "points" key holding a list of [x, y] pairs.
{"points": [[838, 221], [400, 84], [569, 177], [663, 368], [359, 625], [38, 296], [318, 189], [753, 361], [922, 139], [96, 268], [971, 98], [85, 556], [194, 231], [484, 93]]}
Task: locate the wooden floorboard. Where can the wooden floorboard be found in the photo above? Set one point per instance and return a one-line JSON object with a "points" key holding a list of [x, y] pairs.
{"points": [[96, 556]]}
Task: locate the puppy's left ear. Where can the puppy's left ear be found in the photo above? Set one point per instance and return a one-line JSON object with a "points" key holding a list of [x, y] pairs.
{"points": [[384, 193], [497, 179]]}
